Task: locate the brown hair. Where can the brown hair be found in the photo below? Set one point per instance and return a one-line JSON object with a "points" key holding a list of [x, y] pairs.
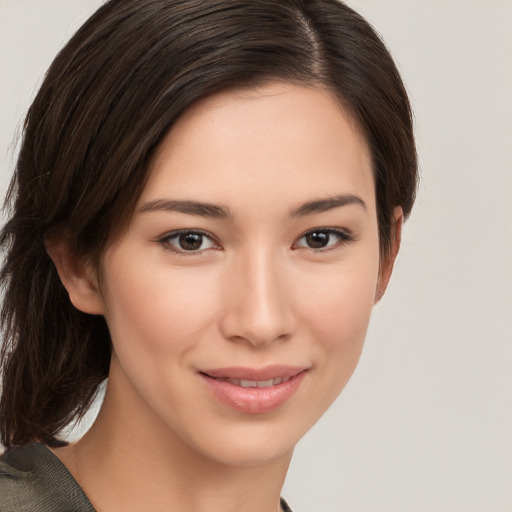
{"points": [[106, 103]]}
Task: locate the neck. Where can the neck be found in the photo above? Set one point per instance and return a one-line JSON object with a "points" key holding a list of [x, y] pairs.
{"points": [[133, 463]]}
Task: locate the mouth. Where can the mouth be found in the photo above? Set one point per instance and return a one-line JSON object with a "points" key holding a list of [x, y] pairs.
{"points": [[253, 383], [254, 391]]}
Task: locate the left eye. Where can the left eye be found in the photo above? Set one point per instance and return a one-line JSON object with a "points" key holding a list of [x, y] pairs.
{"points": [[323, 238], [188, 242]]}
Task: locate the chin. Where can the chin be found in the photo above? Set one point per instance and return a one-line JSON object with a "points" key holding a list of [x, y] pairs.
{"points": [[252, 454], [244, 445]]}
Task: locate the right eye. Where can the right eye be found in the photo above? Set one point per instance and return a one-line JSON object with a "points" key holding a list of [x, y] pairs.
{"points": [[188, 242]]}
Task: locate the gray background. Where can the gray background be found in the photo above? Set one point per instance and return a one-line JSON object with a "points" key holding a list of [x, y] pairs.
{"points": [[425, 423]]}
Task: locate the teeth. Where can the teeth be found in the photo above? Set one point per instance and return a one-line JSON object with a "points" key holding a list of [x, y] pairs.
{"points": [[265, 383], [248, 383], [256, 383]]}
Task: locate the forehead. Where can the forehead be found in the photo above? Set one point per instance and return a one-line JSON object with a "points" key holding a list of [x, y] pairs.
{"points": [[279, 143]]}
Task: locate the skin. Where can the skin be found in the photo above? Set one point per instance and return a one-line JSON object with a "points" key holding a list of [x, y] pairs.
{"points": [[253, 294]]}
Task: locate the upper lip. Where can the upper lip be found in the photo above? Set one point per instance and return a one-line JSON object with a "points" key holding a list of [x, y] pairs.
{"points": [[254, 374]]}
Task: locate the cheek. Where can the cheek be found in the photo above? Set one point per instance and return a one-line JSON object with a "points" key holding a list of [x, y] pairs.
{"points": [[341, 300], [157, 307], [337, 310]]}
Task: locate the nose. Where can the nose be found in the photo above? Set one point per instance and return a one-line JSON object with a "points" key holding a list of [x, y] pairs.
{"points": [[257, 307]]}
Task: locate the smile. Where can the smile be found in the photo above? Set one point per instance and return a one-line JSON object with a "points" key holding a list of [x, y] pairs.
{"points": [[256, 383], [254, 391]]}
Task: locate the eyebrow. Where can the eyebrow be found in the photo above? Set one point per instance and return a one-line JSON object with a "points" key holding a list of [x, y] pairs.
{"points": [[222, 212], [191, 207], [329, 203]]}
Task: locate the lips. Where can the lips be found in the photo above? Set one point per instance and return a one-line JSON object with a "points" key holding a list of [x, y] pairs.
{"points": [[254, 391], [256, 383]]}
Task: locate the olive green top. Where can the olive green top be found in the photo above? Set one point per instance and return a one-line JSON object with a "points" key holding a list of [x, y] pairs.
{"points": [[33, 479]]}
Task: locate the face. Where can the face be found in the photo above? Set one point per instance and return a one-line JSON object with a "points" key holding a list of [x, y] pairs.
{"points": [[238, 299]]}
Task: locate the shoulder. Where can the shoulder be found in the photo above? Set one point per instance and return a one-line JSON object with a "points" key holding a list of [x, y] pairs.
{"points": [[32, 479]]}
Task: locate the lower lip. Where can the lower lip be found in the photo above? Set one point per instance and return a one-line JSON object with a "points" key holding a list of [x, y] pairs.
{"points": [[254, 400]]}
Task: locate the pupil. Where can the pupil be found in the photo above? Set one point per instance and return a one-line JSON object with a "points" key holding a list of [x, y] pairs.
{"points": [[318, 239], [190, 241]]}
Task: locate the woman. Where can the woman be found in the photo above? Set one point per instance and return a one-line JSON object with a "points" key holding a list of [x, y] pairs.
{"points": [[208, 201]]}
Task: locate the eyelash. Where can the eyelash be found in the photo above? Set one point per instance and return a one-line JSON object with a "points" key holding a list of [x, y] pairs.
{"points": [[165, 241], [343, 238]]}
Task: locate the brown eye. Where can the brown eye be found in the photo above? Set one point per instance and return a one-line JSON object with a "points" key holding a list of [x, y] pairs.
{"points": [[187, 242], [317, 239], [324, 239], [190, 241]]}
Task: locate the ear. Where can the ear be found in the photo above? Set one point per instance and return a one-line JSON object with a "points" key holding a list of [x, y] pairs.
{"points": [[387, 263], [77, 276]]}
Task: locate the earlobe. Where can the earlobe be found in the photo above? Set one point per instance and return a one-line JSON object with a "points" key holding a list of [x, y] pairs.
{"points": [[386, 267], [77, 276]]}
